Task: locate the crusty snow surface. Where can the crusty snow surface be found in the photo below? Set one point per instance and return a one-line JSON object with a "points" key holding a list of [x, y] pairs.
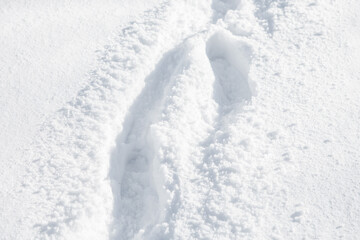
{"points": [[180, 119]]}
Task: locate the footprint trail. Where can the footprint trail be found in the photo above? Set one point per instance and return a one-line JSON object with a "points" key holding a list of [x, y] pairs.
{"points": [[157, 145]]}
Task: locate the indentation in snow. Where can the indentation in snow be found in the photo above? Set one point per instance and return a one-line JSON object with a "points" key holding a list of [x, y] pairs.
{"points": [[230, 60]]}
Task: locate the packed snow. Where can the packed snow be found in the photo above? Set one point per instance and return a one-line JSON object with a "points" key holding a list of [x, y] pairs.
{"points": [[177, 119]]}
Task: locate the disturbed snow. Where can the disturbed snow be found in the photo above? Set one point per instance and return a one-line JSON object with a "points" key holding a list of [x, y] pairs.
{"points": [[206, 120]]}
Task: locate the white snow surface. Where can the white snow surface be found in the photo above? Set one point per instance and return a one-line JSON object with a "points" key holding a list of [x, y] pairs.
{"points": [[179, 119]]}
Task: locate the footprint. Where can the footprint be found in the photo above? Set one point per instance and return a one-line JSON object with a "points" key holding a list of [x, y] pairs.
{"points": [[230, 61], [138, 195]]}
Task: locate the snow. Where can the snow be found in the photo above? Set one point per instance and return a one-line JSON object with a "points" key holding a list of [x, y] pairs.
{"points": [[48, 49], [223, 119]]}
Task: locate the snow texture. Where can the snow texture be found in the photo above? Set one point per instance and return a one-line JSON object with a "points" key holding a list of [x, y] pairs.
{"points": [[211, 119]]}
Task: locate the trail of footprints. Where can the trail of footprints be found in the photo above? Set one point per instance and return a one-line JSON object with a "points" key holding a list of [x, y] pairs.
{"points": [[143, 206], [173, 172]]}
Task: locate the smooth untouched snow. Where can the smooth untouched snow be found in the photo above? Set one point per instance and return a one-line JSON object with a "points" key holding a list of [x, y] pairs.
{"points": [[222, 119]]}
